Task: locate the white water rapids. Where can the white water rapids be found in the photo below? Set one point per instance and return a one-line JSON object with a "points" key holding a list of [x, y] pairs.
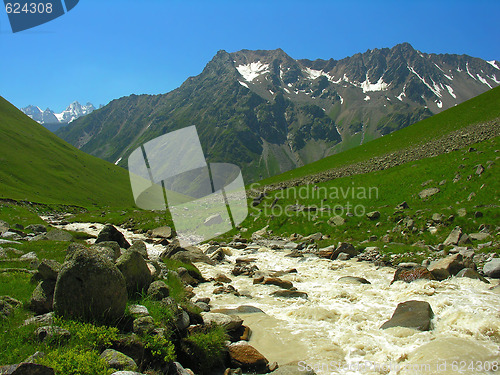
{"points": [[336, 330]]}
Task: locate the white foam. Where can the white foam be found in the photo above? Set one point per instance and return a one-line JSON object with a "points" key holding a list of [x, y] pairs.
{"points": [[252, 70]]}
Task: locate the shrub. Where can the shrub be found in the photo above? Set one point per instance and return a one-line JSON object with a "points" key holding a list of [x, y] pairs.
{"points": [[75, 361], [87, 335], [161, 348], [208, 347]]}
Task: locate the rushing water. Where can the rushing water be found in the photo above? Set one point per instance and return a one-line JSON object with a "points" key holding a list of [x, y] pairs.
{"points": [[338, 325]]}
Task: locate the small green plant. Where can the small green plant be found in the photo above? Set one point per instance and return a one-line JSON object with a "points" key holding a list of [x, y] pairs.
{"points": [[74, 361], [161, 347], [87, 335], [209, 347]]}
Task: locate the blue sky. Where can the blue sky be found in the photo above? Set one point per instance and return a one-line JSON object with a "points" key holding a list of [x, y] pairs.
{"points": [[103, 50]]}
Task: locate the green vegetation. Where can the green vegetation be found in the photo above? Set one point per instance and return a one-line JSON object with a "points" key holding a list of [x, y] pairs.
{"points": [[75, 361], [208, 346], [482, 108], [52, 170]]}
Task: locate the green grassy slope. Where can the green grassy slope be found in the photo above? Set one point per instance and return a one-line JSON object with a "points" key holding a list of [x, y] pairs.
{"points": [[482, 108], [38, 166]]}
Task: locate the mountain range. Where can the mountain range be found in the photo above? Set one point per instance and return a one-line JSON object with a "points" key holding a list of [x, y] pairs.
{"points": [[270, 113], [54, 121]]}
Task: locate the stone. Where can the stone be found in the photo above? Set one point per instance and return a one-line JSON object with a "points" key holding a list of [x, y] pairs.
{"points": [[26, 368], [36, 228], [31, 256], [49, 269], [479, 170], [462, 212], [285, 284], [52, 333], [140, 247], [336, 221], [189, 276], [471, 274], [118, 360], [243, 309], [289, 294], [297, 368], [454, 237], [59, 235], [42, 298], [110, 233], [229, 322], [41, 320], [136, 311], [158, 290], [492, 268], [5, 309], [437, 218], [353, 280], [4, 227], [402, 206], [343, 256], [479, 236], [162, 232], [426, 193], [143, 325], [192, 254], [246, 357], [90, 287], [136, 272], [213, 220], [111, 249], [411, 314], [446, 267], [222, 278], [409, 275], [373, 215]]}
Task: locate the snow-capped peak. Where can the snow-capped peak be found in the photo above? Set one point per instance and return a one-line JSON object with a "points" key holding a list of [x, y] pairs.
{"points": [[252, 70]]}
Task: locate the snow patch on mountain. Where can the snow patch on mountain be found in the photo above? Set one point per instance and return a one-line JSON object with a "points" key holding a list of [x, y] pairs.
{"points": [[493, 63], [379, 86], [252, 70], [450, 90]]}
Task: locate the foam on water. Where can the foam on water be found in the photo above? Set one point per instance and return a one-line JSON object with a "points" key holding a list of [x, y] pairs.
{"points": [[338, 325]]}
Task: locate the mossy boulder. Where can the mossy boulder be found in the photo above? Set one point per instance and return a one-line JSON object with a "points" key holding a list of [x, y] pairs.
{"points": [[90, 287], [42, 299], [110, 233], [136, 272]]}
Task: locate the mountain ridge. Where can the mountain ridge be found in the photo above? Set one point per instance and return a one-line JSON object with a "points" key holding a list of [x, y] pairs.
{"points": [[270, 113]]}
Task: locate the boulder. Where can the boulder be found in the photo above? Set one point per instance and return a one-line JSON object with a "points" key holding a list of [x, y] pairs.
{"points": [[481, 236], [140, 247], [136, 272], [59, 235], [229, 322], [48, 269], [118, 360], [297, 368], [52, 333], [332, 252], [492, 268], [90, 287], [136, 311], [162, 232], [158, 290], [454, 237], [289, 294], [5, 309], [471, 274], [222, 278], [36, 228], [4, 227], [26, 368], [411, 314], [285, 284], [353, 280], [412, 274], [110, 249], [143, 325], [446, 267], [192, 254], [336, 221], [243, 309], [247, 358], [426, 193], [42, 298], [110, 233], [373, 215]]}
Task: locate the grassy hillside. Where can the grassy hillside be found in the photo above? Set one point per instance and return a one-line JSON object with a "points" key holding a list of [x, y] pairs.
{"points": [[38, 166], [482, 108]]}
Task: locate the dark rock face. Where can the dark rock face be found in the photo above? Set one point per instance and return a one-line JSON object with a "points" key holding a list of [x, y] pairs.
{"points": [[110, 233], [90, 287], [42, 298], [411, 314]]}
